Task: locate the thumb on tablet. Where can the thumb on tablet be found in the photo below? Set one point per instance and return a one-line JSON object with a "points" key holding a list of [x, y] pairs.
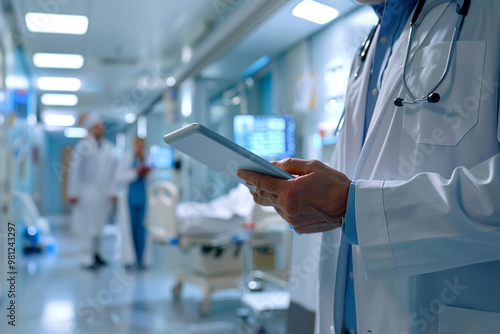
{"points": [[297, 166]]}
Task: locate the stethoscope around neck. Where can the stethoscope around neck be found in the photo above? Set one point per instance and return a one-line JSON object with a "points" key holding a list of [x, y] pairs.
{"points": [[431, 96]]}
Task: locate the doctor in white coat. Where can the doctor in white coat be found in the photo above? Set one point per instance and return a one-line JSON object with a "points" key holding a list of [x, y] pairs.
{"points": [[92, 189], [131, 177], [425, 204]]}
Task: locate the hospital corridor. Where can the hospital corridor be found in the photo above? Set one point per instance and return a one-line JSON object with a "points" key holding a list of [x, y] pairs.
{"points": [[249, 166], [56, 296]]}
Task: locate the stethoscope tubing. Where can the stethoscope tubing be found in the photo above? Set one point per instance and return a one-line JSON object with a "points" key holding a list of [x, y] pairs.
{"points": [[427, 96], [430, 96]]}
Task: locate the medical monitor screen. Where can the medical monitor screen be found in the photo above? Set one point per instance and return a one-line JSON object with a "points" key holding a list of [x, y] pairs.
{"points": [[271, 137], [161, 157]]}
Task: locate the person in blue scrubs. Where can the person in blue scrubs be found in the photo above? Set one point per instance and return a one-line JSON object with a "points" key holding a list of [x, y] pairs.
{"points": [[132, 174], [137, 201]]}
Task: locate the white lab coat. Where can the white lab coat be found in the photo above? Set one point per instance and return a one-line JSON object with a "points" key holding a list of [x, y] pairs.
{"points": [[125, 175], [91, 180], [428, 191]]}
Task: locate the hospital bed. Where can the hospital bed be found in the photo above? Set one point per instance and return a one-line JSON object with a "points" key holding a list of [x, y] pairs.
{"points": [[212, 255], [211, 237]]}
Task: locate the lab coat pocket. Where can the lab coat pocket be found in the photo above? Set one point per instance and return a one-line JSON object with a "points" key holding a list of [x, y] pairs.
{"points": [[448, 121], [454, 320]]}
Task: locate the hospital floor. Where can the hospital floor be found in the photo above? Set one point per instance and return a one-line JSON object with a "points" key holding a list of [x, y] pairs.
{"points": [[55, 296]]}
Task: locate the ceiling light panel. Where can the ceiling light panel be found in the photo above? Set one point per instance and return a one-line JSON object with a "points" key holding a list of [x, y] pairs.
{"points": [[75, 132], [57, 60], [57, 83], [59, 100], [56, 23], [130, 118], [315, 12], [59, 119], [171, 81]]}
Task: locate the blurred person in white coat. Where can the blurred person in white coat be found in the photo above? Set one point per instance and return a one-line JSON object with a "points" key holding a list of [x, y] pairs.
{"points": [[410, 211], [92, 188], [131, 175]]}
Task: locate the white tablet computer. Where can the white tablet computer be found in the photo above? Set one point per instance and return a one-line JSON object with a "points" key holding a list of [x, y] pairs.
{"points": [[219, 153]]}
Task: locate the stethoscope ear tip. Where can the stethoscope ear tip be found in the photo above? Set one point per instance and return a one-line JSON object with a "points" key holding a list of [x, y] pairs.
{"points": [[398, 102]]}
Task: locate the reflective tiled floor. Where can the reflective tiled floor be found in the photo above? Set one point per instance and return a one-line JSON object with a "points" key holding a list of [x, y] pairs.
{"points": [[55, 296]]}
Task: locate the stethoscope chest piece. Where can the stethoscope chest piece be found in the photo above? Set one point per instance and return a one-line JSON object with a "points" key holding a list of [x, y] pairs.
{"points": [[431, 98]]}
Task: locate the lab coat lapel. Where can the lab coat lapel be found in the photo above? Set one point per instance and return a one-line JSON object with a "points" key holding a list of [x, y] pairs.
{"points": [[347, 153], [392, 83], [355, 107]]}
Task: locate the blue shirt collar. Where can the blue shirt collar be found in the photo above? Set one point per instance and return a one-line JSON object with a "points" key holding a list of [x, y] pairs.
{"points": [[391, 7]]}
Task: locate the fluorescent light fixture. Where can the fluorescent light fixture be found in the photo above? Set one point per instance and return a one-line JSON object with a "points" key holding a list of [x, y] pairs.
{"points": [[130, 118], [187, 91], [171, 81], [57, 24], [14, 82], [63, 84], [142, 127], [75, 132], [59, 120], [68, 100], [58, 60], [315, 12], [187, 54]]}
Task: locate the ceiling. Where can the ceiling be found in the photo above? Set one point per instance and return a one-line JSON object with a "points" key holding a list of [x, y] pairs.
{"points": [[129, 49], [133, 46], [277, 34]]}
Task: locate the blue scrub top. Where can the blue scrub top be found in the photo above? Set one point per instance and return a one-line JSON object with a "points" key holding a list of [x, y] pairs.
{"points": [[137, 189]]}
